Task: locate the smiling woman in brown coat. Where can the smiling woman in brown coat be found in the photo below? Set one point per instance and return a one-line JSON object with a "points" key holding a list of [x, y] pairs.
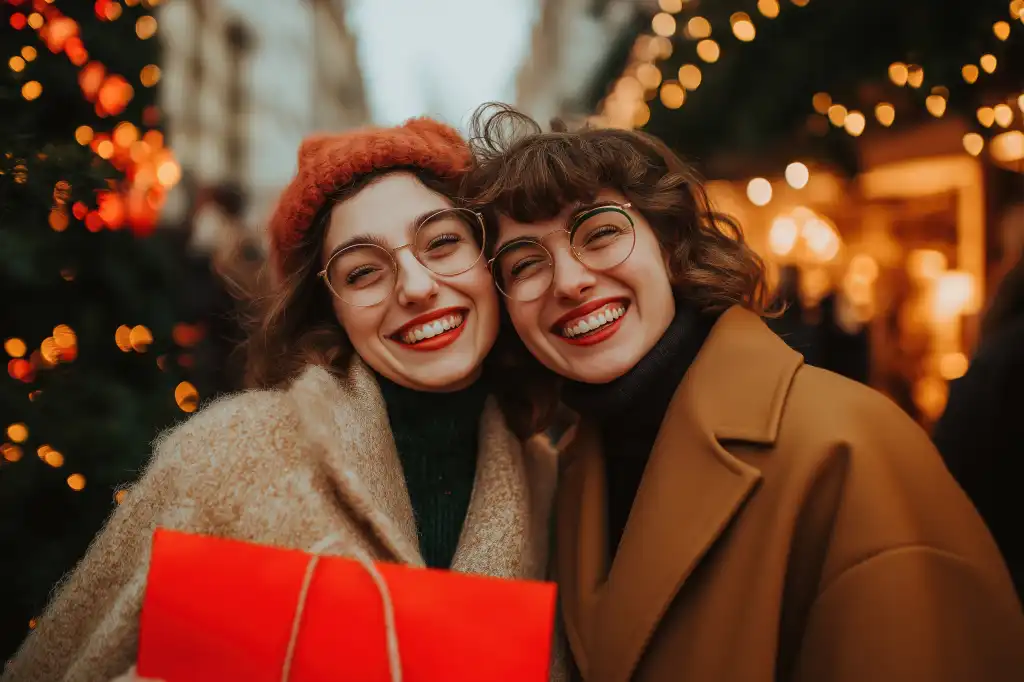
{"points": [[726, 513]]}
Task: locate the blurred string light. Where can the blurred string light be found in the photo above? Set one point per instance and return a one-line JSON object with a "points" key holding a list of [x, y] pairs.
{"points": [[853, 122], [936, 102], [150, 168], [626, 105]]}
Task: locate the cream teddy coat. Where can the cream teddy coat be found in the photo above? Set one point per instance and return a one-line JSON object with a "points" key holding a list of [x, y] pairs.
{"points": [[285, 468]]}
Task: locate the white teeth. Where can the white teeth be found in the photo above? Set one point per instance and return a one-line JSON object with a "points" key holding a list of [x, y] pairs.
{"points": [[605, 316], [432, 329]]}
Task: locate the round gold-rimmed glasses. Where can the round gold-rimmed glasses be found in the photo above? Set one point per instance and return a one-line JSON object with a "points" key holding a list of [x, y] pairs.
{"points": [[600, 238], [447, 242]]}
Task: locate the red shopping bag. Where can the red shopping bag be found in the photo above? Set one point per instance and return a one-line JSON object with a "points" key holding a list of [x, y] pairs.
{"points": [[217, 610]]}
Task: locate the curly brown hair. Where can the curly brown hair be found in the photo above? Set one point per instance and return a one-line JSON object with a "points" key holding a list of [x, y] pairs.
{"points": [[529, 176], [291, 323]]}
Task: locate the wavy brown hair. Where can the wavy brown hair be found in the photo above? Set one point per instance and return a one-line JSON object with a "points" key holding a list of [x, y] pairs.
{"points": [[529, 176], [291, 322]]}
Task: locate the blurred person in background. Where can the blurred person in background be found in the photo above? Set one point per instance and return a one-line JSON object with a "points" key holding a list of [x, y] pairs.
{"points": [[371, 421], [981, 432], [725, 512]]}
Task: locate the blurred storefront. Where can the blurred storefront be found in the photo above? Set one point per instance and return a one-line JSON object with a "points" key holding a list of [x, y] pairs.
{"points": [[894, 224]]}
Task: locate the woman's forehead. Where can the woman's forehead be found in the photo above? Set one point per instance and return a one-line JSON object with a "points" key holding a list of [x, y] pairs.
{"points": [[388, 208]]}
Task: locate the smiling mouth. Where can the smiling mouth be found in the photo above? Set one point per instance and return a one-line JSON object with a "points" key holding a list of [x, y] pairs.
{"points": [[433, 333], [594, 322]]}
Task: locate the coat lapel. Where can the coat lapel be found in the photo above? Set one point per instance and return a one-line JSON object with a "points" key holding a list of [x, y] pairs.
{"points": [[692, 488], [347, 418], [494, 539]]}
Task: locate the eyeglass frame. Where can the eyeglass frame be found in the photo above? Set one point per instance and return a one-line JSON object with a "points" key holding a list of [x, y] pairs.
{"points": [[582, 216], [324, 274]]}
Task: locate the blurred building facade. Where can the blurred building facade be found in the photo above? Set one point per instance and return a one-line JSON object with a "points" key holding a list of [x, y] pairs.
{"points": [[571, 40], [242, 83]]}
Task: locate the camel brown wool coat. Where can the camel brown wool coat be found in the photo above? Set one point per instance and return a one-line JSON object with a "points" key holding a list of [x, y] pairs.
{"points": [[791, 526], [285, 468]]}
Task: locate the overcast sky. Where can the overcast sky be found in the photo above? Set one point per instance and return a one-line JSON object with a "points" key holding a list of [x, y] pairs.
{"points": [[439, 57]]}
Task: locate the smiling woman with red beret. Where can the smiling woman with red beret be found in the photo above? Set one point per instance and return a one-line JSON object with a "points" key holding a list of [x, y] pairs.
{"points": [[370, 419]]}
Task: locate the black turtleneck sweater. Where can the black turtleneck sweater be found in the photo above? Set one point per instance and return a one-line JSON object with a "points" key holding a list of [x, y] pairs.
{"points": [[436, 435], [630, 410]]}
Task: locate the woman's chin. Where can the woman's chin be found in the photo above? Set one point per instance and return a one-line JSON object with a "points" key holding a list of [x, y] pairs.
{"points": [[442, 378]]}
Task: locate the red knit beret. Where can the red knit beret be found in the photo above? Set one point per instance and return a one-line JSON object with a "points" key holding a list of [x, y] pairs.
{"points": [[329, 162]]}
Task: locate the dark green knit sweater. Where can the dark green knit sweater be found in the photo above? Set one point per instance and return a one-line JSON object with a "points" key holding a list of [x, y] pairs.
{"points": [[436, 436]]}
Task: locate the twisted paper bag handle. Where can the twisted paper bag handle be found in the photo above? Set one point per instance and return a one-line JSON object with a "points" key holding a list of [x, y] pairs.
{"points": [[394, 660]]}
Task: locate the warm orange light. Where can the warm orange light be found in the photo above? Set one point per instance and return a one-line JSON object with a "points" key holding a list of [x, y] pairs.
{"points": [[1008, 147], [988, 63], [641, 115], [898, 73], [797, 175], [17, 433], [689, 76], [15, 347], [31, 90], [743, 27], [140, 338], [114, 94], [168, 173], [885, 113], [837, 115], [672, 95], [970, 73], [821, 102], [1003, 115], [854, 123], [915, 75], [58, 220], [953, 366], [28, 53], [90, 78], [697, 28], [122, 337], [125, 133], [76, 482], [150, 75], [83, 135], [649, 76], [769, 8], [709, 51], [186, 396], [759, 191], [663, 24], [145, 27], [936, 105]]}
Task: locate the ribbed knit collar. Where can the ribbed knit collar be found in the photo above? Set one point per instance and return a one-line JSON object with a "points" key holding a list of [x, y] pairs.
{"points": [[638, 399]]}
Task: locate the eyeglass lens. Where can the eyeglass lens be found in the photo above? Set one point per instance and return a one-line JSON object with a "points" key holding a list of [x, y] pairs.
{"points": [[448, 243], [602, 239]]}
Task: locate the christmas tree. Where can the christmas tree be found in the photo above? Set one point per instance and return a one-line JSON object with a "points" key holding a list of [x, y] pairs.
{"points": [[100, 355]]}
